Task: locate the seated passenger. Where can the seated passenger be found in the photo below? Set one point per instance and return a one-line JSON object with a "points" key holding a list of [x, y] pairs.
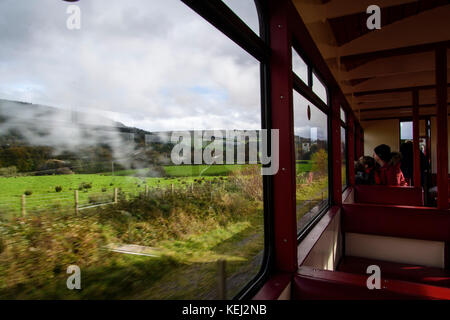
{"points": [[365, 170], [389, 172]]}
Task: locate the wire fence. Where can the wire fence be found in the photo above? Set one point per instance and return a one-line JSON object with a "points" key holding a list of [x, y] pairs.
{"points": [[75, 201]]}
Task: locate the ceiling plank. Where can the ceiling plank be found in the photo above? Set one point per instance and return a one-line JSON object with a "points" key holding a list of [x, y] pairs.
{"points": [[316, 11], [351, 27], [396, 99], [396, 114], [383, 91], [407, 80], [392, 66], [399, 107], [427, 27], [383, 104], [422, 116], [392, 96], [393, 104], [361, 58]]}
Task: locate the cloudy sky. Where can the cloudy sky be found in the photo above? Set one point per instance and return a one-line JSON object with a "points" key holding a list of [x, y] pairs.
{"points": [[316, 126], [152, 64]]}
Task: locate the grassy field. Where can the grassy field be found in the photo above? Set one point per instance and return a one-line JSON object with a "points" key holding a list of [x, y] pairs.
{"points": [[186, 170], [191, 232], [203, 170], [132, 182], [222, 219], [44, 194], [308, 195], [44, 185], [101, 186], [126, 179], [303, 165]]}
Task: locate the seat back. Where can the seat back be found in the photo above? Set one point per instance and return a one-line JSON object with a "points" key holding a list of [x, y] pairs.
{"points": [[395, 195], [313, 284]]}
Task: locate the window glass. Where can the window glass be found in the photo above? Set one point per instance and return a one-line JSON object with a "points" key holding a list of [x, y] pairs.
{"points": [[246, 10], [319, 89], [311, 159], [406, 131], [343, 115], [299, 66], [87, 176], [344, 158]]}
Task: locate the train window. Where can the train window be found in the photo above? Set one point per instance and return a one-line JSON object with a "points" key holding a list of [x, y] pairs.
{"points": [[344, 174], [311, 160], [319, 89], [246, 10], [343, 116], [344, 162], [92, 120], [406, 131], [299, 66]]}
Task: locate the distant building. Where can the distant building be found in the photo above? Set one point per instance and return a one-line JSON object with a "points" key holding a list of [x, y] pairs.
{"points": [[306, 146]]}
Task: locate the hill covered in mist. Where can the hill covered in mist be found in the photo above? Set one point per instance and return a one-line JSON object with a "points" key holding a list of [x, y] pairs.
{"points": [[33, 134]]}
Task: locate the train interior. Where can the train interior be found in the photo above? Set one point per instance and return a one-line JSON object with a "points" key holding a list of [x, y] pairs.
{"points": [[395, 81], [88, 123]]}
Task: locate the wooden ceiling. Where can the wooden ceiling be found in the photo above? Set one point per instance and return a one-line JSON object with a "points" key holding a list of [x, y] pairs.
{"points": [[378, 69]]}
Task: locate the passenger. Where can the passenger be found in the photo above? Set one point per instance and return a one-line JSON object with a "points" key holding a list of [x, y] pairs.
{"points": [[389, 172], [365, 170]]}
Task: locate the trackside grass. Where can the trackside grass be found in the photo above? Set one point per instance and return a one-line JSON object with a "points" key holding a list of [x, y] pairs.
{"points": [[191, 230]]}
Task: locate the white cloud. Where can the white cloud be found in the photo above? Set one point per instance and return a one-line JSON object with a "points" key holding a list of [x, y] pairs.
{"points": [[151, 64]]}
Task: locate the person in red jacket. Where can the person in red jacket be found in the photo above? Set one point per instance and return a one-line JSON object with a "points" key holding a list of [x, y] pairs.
{"points": [[389, 172]]}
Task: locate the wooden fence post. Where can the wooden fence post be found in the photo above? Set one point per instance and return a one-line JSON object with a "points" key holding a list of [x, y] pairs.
{"points": [[146, 191], [76, 202], [171, 186], [221, 280], [24, 210], [115, 195]]}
